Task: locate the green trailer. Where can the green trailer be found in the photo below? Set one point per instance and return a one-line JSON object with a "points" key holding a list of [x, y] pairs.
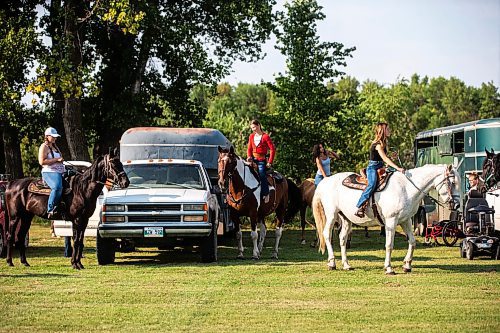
{"points": [[462, 145]]}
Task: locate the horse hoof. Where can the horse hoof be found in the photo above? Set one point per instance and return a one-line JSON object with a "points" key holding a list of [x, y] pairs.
{"points": [[406, 270], [348, 269], [81, 266], [240, 257], [390, 273], [10, 264], [303, 242], [332, 268], [255, 258], [26, 264], [76, 267]]}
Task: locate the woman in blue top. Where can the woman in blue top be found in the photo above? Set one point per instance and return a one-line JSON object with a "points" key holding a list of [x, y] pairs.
{"points": [[322, 159], [378, 155]]}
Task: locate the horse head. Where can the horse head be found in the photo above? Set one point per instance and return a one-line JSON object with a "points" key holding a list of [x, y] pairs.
{"points": [[491, 169], [448, 187], [226, 164], [113, 169]]}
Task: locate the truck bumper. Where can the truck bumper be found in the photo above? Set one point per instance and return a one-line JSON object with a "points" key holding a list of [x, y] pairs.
{"points": [[136, 230]]}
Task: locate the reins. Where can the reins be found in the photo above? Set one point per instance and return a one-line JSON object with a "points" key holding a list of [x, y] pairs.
{"points": [[436, 201]]}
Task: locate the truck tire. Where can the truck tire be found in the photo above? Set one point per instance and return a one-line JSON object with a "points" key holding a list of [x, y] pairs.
{"points": [[208, 245], [105, 250]]}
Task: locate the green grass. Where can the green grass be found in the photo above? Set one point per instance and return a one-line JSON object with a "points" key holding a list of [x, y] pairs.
{"points": [[167, 291]]}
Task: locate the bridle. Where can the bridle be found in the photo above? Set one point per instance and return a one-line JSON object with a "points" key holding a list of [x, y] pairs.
{"points": [[222, 172], [446, 181], [109, 172]]}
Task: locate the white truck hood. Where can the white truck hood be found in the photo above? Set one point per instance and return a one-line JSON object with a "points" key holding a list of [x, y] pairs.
{"points": [[156, 195]]}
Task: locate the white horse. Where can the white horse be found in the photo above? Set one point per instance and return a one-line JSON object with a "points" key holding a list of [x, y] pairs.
{"points": [[396, 204]]}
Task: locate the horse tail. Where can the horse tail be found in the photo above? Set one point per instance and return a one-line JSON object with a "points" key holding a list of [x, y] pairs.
{"points": [[320, 220], [294, 200]]}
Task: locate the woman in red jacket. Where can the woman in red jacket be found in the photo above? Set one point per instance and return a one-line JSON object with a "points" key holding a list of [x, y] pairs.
{"points": [[259, 143]]}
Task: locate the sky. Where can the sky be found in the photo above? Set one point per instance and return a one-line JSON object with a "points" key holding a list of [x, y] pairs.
{"points": [[396, 38]]}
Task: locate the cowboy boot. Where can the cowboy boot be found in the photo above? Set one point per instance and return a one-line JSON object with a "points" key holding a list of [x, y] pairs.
{"points": [[361, 210]]}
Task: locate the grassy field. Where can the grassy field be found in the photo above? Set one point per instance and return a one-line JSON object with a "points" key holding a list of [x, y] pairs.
{"points": [[170, 291]]}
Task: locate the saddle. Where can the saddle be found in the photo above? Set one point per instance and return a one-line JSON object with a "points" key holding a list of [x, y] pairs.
{"points": [[278, 177], [359, 181], [39, 186]]}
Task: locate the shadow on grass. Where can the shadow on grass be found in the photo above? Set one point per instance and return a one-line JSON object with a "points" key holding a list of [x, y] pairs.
{"points": [[34, 275]]}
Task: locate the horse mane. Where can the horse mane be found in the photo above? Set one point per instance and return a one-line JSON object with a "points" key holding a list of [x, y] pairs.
{"points": [[88, 176]]}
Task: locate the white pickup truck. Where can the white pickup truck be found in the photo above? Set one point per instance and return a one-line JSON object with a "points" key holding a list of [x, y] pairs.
{"points": [[171, 199]]}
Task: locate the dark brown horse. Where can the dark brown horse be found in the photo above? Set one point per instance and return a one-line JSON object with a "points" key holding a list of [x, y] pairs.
{"points": [[80, 204], [491, 169], [243, 186]]}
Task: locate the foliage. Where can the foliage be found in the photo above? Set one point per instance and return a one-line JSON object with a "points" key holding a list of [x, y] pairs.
{"points": [[304, 114]]}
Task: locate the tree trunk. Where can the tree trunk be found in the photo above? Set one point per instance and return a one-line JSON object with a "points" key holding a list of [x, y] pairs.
{"points": [[72, 115], [12, 152]]}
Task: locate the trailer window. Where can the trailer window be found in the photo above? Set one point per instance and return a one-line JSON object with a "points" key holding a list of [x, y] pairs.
{"points": [[458, 142], [445, 144], [425, 142]]}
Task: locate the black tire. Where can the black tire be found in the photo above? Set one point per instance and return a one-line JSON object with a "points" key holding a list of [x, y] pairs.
{"points": [[469, 251], [105, 250], [450, 233], [463, 246], [208, 246], [496, 254]]}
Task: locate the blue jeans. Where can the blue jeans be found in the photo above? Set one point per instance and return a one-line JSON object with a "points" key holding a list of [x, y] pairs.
{"points": [[371, 175], [318, 179], [54, 180], [264, 186]]}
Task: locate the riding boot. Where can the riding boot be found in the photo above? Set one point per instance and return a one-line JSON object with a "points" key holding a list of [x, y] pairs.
{"points": [[361, 210]]}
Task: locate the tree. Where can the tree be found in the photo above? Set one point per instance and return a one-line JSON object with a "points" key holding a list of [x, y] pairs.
{"points": [[18, 44], [304, 113]]}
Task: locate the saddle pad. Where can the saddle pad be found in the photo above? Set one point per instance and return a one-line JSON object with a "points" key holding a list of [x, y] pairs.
{"points": [[355, 181], [38, 186]]}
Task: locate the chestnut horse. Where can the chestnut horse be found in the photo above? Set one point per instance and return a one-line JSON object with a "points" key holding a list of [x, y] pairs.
{"points": [[242, 184], [80, 204]]}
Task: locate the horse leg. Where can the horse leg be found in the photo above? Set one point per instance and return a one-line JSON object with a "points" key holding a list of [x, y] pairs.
{"points": [[255, 236], [11, 238], [327, 234], [21, 239], [390, 229], [408, 229], [263, 232], [239, 236], [78, 234], [280, 218], [344, 239], [303, 223]]}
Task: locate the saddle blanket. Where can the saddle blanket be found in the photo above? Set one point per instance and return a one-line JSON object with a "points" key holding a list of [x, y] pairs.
{"points": [[38, 186]]}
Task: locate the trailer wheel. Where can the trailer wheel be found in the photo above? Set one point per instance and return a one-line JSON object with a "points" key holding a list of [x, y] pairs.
{"points": [[469, 251], [208, 245], [105, 250]]}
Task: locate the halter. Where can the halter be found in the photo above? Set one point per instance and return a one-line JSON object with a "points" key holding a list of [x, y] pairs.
{"points": [[491, 174], [110, 174]]}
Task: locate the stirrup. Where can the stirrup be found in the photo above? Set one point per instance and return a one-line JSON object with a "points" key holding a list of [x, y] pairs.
{"points": [[360, 212]]}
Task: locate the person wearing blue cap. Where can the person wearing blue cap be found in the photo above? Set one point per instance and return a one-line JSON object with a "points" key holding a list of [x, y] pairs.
{"points": [[51, 160]]}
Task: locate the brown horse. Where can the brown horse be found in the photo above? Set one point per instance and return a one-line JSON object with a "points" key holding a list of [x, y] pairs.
{"points": [[305, 193], [244, 199], [80, 204]]}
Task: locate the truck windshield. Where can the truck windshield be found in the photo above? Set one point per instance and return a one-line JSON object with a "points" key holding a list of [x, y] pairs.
{"points": [[165, 176]]}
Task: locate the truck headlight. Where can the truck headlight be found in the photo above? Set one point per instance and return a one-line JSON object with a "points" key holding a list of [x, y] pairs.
{"points": [[195, 218], [195, 207], [112, 219], [113, 208]]}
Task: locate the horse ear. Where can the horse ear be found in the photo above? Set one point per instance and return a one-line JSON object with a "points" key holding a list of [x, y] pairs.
{"points": [[449, 168], [219, 148], [488, 154], [492, 151], [231, 150], [113, 152]]}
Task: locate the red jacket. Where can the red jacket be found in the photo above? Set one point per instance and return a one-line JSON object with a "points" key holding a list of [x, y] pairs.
{"points": [[259, 152]]}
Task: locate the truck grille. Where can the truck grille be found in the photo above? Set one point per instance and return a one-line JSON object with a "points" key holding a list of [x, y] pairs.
{"points": [[164, 218], [154, 207]]}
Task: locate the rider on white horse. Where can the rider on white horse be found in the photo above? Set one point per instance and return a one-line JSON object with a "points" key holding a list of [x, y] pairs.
{"points": [[378, 155]]}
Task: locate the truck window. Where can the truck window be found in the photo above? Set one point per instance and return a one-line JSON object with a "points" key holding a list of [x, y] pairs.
{"points": [[165, 175]]}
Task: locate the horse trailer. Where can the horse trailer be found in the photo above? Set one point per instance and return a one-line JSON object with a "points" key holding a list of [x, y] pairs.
{"points": [[463, 146]]}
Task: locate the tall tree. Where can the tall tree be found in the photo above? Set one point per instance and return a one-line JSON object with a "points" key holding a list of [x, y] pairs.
{"points": [[304, 113]]}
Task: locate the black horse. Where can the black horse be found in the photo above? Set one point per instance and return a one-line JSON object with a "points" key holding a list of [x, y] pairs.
{"points": [[491, 169], [79, 204]]}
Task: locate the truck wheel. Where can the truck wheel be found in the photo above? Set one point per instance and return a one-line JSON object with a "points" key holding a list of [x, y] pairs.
{"points": [[463, 247], [105, 250], [208, 246]]}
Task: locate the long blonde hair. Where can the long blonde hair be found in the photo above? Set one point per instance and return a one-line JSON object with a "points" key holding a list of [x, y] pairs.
{"points": [[380, 136]]}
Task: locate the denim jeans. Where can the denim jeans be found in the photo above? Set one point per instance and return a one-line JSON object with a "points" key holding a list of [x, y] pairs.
{"points": [[371, 175], [264, 186], [54, 180]]}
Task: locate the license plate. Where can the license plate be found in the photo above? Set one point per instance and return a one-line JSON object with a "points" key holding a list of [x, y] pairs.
{"points": [[153, 232], [483, 246]]}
